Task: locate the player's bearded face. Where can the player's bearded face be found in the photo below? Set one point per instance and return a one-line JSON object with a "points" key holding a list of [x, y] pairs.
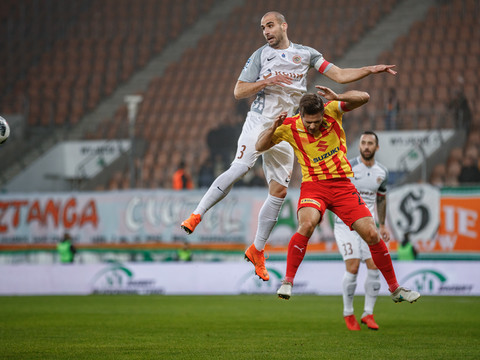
{"points": [[368, 147], [273, 33], [367, 154], [275, 39]]}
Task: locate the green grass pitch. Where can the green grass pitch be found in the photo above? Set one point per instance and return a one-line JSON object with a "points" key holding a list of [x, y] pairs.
{"points": [[234, 327]]}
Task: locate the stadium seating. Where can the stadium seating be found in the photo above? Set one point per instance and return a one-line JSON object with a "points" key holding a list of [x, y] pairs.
{"points": [[178, 117], [64, 75], [65, 68], [434, 59]]}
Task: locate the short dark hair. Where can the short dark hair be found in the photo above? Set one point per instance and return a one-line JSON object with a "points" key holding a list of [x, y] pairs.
{"points": [[310, 104], [370, 132]]}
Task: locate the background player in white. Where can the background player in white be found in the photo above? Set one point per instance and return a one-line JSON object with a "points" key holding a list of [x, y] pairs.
{"points": [[277, 74], [370, 179]]}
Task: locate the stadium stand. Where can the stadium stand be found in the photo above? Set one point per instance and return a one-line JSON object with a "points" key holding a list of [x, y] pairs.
{"points": [[435, 60], [65, 57], [65, 69], [69, 77], [197, 109]]}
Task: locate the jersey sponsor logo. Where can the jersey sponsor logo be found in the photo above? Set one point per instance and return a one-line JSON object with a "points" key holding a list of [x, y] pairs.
{"points": [[295, 77], [271, 58], [322, 145], [326, 155], [310, 201], [297, 59], [292, 76]]}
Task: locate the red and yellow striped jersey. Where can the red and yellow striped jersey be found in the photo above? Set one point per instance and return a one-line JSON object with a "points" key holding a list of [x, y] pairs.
{"points": [[322, 157]]}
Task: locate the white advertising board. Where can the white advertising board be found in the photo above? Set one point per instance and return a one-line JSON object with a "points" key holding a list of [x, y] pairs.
{"points": [[402, 150], [68, 160], [227, 278]]}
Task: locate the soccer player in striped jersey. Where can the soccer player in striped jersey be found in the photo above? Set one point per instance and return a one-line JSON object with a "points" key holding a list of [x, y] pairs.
{"points": [[370, 178], [318, 140], [277, 74]]}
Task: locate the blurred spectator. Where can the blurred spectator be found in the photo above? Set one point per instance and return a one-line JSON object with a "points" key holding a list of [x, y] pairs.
{"points": [[181, 179], [185, 253], [392, 108], [218, 165], [222, 140], [406, 251], [258, 178], [470, 173], [206, 174], [242, 107], [66, 250], [254, 178], [460, 109], [438, 175], [453, 172], [456, 155], [473, 139]]}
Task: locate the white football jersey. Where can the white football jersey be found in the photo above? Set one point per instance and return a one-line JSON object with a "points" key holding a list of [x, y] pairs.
{"points": [[293, 62], [369, 182]]}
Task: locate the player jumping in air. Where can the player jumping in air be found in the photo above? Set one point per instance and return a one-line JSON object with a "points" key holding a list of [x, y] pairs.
{"points": [[319, 142], [277, 74]]}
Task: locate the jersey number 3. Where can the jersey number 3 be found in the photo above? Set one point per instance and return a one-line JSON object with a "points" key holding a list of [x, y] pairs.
{"points": [[242, 152]]}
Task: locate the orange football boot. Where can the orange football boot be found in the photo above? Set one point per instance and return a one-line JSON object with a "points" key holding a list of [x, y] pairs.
{"points": [[191, 223], [257, 258], [352, 323], [370, 322]]}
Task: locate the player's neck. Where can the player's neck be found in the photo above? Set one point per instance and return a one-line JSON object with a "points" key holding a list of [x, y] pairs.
{"points": [[368, 163], [283, 45]]}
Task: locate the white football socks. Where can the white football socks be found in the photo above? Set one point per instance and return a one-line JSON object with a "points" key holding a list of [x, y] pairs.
{"points": [[221, 187], [267, 218], [349, 286], [372, 288]]}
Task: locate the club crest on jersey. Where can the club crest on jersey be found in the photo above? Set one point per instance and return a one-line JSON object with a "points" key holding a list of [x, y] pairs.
{"points": [[297, 59]]}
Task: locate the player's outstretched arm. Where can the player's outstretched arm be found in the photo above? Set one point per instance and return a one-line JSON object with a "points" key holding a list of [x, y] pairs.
{"points": [[344, 76], [245, 89], [352, 99], [264, 141]]}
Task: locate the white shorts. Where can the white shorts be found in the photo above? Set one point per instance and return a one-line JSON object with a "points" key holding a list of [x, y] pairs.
{"points": [[350, 244], [277, 161]]}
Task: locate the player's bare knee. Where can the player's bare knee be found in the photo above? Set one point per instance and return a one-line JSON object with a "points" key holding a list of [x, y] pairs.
{"points": [[306, 228], [353, 268], [277, 190], [371, 236]]}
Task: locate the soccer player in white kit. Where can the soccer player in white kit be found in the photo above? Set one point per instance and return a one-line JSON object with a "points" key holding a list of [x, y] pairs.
{"points": [[370, 179], [277, 74]]}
